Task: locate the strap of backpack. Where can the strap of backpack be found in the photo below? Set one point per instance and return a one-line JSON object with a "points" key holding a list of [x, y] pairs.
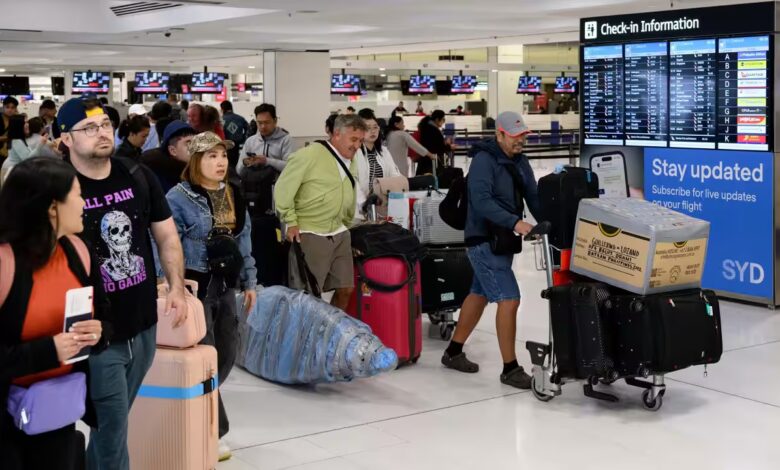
{"points": [[7, 269], [141, 184], [338, 159], [519, 187], [82, 251]]}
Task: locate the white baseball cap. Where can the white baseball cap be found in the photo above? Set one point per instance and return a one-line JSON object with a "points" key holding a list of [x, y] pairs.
{"points": [[137, 109]]}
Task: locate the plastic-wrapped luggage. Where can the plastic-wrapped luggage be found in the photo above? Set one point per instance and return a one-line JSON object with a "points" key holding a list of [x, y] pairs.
{"points": [[294, 338]]}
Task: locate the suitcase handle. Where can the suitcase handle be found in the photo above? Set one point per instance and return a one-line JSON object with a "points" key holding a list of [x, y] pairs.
{"points": [[382, 287]]}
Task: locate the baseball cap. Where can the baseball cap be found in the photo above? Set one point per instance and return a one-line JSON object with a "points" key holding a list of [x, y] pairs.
{"points": [[206, 141], [511, 124], [76, 110], [137, 109], [173, 129]]}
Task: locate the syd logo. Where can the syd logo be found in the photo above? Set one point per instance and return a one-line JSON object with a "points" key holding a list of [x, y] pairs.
{"points": [[591, 30]]}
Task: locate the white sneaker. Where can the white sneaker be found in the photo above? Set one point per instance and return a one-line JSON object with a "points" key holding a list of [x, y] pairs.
{"points": [[224, 451]]}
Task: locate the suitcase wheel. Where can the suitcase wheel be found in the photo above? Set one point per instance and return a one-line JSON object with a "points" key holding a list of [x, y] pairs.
{"points": [[637, 306], [652, 405], [538, 393]]}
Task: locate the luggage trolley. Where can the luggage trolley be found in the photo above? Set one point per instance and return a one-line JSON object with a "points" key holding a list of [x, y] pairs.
{"points": [[546, 382]]}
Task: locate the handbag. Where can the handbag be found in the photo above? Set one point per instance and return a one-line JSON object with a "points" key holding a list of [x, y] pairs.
{"points": [[48, 405], [504, 241], [224, 257]]}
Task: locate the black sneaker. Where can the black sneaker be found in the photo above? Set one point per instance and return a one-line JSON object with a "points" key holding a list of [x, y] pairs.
{"points": [[459, 363], [517, 378]]}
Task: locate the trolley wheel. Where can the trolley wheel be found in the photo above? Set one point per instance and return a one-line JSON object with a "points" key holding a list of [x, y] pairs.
{"points": [[652, 405], [414, 361], [434, 318], [537, 394], [446, 331]]}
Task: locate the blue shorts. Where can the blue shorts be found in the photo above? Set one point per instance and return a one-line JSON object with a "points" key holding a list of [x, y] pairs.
{"points": [[493, 275]]}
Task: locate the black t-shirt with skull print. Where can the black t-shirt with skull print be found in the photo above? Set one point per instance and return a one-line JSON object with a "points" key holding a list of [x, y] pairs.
{"points": [[114, 228]]}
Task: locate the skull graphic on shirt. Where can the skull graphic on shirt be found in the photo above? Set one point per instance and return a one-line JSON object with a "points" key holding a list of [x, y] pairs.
{"points": [[116, 229]]}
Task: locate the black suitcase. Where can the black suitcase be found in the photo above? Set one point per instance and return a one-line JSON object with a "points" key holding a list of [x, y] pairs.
{"points": [[447, 175], [581, 331], [446, 276], [663, 333], [269, 250], [559, 197], [421, 183]]}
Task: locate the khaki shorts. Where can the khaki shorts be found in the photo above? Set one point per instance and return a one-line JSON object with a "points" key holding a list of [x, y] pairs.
{"points": [[329, 259]]}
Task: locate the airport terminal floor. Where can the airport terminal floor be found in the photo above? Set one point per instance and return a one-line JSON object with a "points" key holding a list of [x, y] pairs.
{"points": [[428, 417]]}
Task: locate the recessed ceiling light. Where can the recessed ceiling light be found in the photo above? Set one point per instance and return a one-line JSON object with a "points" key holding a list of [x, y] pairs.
{"points": [[494, 70], [383, 75], [382, 69], [251, 66], [2, 70]]}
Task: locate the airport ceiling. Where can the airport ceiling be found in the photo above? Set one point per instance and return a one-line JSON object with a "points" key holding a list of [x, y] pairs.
{"points": [[53, 35]]}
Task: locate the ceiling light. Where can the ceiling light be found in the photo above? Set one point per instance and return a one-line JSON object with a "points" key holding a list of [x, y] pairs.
{"points": [[383, 75], [382, 69], [494, 70], [2, 70], [251, 66]]}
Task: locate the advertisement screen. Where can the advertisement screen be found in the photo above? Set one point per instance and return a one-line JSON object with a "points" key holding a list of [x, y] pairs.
{"points": [[422, 84], [464, 84], [529, 85], [565, 85], [345, 84]]}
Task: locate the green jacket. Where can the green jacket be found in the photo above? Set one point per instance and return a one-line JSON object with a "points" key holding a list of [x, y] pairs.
{"points": [[310, 193]]}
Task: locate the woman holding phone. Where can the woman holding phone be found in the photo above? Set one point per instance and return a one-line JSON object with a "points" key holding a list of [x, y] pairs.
{"points": [[47, 261]]}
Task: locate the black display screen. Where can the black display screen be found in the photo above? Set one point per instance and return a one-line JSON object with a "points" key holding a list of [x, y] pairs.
{"points": [[602, 103], [91, 82], [422, 84], [529, 84], [208, 82], [692, 106], [345, 84], [152, 82], [646, 91]]}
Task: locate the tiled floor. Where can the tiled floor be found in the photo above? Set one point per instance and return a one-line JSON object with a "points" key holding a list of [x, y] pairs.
{"points": [[426, 417]]}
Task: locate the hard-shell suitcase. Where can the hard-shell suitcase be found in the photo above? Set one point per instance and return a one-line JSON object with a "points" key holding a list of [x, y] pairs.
{"points": [[429, 227], [387, 298], [269, 251], [173, 421], [666, 332], [581, 333], [446, 278], [189, 333], [559, 197]]}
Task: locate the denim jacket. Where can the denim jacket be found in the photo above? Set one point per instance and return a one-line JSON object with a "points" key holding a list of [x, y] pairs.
{"points": [[192, 211]]}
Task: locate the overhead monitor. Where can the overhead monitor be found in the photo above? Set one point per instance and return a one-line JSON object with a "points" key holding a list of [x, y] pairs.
{"points": [[529, 84], [422, 84], [91, 82], [345, 84], [566, 85], [464, 84], [152, 82], [207, 82]]}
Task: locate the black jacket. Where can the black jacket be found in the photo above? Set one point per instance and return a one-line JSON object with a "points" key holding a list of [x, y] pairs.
{"points": [[127, 150], [431, 138], [21, 358], [167, 169]]}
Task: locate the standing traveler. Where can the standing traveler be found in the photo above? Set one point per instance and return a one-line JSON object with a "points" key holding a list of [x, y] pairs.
{"points": [[48, 112], [195, 116], [27, 140], [211, 122], [236, 129], [168, 161], [184, 105], [10, 106], [271, 146], [48, 261], [206, 205], [133, 131], [495, 211], [124, 206], [374, 159], [432, 138], [315, 198], [399, 142], [159, 118]]}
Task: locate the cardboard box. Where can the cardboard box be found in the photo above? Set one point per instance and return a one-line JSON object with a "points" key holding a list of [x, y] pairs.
{"points": [[638, 246]]}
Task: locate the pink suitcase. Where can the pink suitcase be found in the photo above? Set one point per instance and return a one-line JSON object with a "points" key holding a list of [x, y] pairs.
{"points": [[387, 298], [173, 422], [192, 331]]}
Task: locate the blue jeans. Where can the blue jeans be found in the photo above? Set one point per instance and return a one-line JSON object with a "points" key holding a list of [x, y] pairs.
{"points": [[116, 375], [493, 275]]}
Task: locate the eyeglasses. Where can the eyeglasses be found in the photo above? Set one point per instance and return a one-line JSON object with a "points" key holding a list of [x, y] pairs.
{"points": [[92, 131]]}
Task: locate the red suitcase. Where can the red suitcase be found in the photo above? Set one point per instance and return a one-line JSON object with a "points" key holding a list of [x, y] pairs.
{"points": [[388, 299]]}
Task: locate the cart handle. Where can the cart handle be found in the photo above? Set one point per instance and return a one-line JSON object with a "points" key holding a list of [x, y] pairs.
{"points": [[541, 229]]}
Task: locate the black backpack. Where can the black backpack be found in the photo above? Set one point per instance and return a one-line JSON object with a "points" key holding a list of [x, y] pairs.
{"points": [[385, 239], [454, 208], [257, 184]]}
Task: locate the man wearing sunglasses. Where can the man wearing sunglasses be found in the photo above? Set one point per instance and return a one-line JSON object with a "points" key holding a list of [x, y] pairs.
{"points": [[124, 203]]}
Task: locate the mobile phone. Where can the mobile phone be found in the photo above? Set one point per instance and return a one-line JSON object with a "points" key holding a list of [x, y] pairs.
{"points": [[251, 154], [611, 170]]}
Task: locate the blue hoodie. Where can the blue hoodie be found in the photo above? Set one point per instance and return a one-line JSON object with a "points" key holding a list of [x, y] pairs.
{"points": [[491, 191]]}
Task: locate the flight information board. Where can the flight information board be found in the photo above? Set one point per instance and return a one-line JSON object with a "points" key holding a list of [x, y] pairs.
{"points": [[647, 94], [743, 93], [710, 93], [602, 85]]}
